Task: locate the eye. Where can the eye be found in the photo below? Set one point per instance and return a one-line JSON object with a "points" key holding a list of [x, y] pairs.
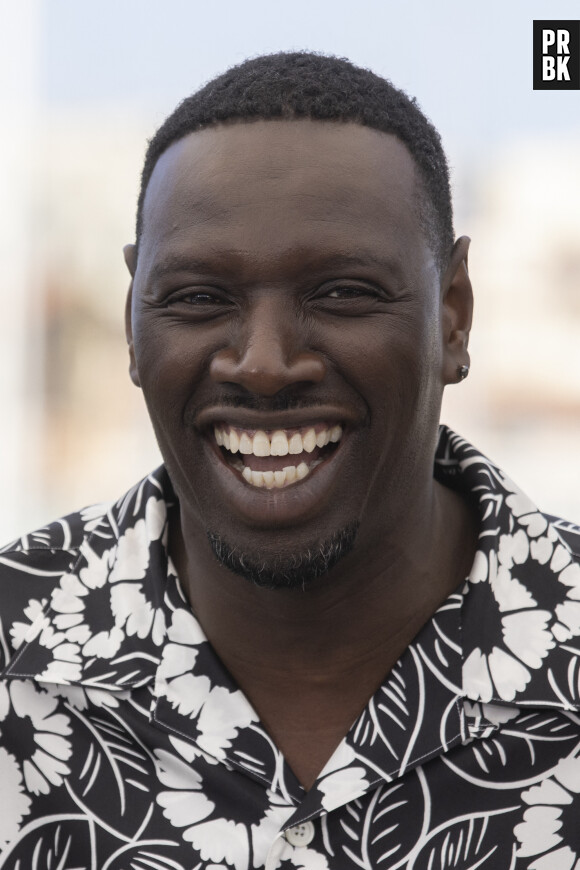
{"points": [[196, 298], [199, 297], [349, 291], [198, 303], [347, 297]]}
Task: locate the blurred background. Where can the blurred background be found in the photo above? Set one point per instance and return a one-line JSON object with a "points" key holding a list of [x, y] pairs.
{"points": [[82, 87]]}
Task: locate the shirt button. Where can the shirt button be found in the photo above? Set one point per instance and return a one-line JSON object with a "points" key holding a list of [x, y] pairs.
{"points": [[300, 835]]}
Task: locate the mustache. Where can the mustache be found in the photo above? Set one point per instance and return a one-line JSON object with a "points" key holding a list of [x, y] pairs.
{"points": [[285, 400]]}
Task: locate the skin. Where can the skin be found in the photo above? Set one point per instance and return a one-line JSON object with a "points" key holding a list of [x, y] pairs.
{"points": [[285, 260]]}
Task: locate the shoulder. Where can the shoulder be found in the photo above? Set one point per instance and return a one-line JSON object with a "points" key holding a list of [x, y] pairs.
{"points": [[34, 567], [31, 567], [568, 531]]}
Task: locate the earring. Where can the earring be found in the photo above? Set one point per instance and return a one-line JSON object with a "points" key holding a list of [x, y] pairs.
{"points": [[462, 372]]}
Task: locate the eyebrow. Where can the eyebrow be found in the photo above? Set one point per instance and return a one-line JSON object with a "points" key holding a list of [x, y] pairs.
{"points": [[358, 260], [174, 262], [179, 263]]}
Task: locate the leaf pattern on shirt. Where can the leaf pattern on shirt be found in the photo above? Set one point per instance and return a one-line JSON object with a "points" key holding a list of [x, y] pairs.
{"points": [[66, 841], [125, 743], [469, 841]]}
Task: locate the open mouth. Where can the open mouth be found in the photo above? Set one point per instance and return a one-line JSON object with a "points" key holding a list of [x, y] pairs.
{"points": [[274, 459]]}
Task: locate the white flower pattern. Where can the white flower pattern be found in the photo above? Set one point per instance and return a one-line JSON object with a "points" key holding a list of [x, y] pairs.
{"points": [[215, 838], [45, 763], [542, 833], [15, 803]]}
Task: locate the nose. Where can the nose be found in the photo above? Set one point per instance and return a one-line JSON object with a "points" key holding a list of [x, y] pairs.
{"points": [[267, 352]]}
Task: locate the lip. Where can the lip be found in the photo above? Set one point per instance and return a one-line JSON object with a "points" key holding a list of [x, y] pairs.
{"points": [[290, 505], [296, 418]]}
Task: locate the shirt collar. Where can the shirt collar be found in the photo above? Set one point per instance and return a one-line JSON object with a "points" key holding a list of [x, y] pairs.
{"points": [[521, 610], [105, 623], [118, 619]]}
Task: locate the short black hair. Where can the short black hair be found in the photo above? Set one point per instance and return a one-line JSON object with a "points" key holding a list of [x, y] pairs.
{"points": [[294, 85]]}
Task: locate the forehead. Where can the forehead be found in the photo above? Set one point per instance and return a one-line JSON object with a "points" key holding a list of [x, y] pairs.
{"points": [[283, 183]]}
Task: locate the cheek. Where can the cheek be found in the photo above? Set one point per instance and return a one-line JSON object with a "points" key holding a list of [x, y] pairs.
{"points": [[169, 357], [394, 355]]}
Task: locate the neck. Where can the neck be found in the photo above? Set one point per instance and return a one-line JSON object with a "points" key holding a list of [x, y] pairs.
{"points": [[366, 610], [310, 660]]}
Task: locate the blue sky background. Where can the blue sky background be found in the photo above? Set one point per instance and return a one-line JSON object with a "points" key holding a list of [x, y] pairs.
{"points": [[469, 64]]}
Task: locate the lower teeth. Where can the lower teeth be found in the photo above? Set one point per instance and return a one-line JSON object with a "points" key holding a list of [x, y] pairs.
{"points": [[276, 479]]}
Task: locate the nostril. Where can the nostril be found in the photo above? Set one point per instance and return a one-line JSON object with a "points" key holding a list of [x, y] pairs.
{"points": [[224, 361], [266, 373]]}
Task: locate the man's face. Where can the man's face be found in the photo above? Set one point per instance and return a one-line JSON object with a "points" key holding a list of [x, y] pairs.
{"points": [[286, 332]]}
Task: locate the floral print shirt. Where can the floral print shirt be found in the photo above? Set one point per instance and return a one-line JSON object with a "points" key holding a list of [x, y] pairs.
{"points": [[126, 745]]}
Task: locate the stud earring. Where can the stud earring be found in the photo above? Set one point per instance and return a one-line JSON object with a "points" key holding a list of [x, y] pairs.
{"points": [[462, 372]]}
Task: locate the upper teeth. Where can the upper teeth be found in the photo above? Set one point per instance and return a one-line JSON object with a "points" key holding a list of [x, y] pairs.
{"points": [[275, 443]]}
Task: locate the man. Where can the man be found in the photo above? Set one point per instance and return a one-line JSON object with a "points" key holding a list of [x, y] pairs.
{"points": [[183, 668]]}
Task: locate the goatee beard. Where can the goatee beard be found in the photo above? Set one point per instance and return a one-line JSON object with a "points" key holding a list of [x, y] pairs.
{"points": [[285, 571]]}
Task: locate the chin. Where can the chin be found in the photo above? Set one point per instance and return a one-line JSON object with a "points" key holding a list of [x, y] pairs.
{"points": [[290, 570]]}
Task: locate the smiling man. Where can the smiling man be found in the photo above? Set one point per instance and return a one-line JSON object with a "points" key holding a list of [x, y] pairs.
{"points": [[327, 633]]}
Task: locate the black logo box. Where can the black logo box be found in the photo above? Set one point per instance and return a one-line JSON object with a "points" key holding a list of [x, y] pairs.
{"points": [[573, 64]]}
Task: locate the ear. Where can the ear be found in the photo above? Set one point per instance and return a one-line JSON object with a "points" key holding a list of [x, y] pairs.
{"points": [[130, 255], [457, 312]]}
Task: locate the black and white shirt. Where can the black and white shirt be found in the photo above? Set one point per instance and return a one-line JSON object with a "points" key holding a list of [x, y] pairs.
{"points": [[126, 745]]}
